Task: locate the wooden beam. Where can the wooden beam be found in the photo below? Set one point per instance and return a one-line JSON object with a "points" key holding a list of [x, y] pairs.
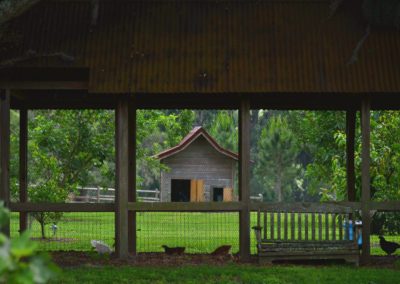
{"points": [[385, 205], [244, 179], [122, 177], [5, 151], [23, 166], [132, 176], [365, 177], [350, 169], [306, 207], [62, 207], [186, 206], [45, 85]]}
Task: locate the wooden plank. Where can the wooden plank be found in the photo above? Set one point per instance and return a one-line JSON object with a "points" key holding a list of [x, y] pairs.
{"points": [[132, 176], [45, 85], [244, 178], [320, 226], [122, 177], [193, 190], [285, 226], [200, 190], [292, 226], [186, 206], [5, 151], [365, 177], [259, 218], [350, 140], [384, 205], [228, 194], [307, 207], [299, 226], [62, 207], [279, 225], [334, 227], [340, 224], [265, 225], [23, 166], [306, 226], [313, 228], [327, 226], [272, 225]]}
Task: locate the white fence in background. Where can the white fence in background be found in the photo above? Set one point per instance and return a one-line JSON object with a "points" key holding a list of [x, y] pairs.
{"points": [[101, 195]]}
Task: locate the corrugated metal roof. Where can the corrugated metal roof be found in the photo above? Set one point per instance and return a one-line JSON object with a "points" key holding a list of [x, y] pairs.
{"points": [[212, 46]]}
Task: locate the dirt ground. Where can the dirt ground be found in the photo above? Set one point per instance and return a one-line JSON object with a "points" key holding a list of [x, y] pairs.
{"points": [[76, 258]]}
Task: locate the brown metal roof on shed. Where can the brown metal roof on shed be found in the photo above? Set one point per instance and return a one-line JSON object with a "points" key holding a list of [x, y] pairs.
{"points": [[209, 46], [192, 136]]}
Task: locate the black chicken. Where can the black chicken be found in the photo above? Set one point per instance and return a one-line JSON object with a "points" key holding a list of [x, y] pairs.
{"points": [[175, 250], [388, 247]]}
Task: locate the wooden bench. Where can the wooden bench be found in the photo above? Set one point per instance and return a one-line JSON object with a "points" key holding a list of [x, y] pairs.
{"points": [[305, 232]]}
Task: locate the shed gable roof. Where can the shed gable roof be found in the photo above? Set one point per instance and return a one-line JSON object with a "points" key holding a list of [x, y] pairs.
{"points": [[190, 138]]}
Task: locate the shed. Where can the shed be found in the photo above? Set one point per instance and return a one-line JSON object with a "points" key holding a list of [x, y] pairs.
{"points": [[199, 169]]}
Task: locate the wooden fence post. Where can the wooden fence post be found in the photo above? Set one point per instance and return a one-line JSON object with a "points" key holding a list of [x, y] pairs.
{"points": [[5, 151], [23, 166], [350, 138], [244, 178], [132, 175], [122, 177], [365, 177]]}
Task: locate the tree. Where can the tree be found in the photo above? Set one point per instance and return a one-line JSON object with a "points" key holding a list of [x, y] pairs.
{"points": [[276, 159], [65, 147], [224, 129]]}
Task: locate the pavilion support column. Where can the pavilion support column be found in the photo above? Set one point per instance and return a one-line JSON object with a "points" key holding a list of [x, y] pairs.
{"points": [[365, 177], [244, 178], [23, 166], [132, 176], [350, 169], [5, 151], [122, 226]]}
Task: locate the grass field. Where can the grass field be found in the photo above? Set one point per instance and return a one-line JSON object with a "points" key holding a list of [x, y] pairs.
{"points": [[198, 232], [230, 274]]}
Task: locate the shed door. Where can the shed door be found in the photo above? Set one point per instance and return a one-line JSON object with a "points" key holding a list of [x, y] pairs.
{"points": [[228, 194], [196, 190]]}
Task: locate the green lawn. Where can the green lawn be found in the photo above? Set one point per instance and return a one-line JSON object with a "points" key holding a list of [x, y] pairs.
{"points": [[229, 274], [198, 232]]}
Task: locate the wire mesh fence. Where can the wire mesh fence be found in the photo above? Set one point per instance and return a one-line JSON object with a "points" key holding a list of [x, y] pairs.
{"points": [[386, 224], [73, 231], [197, 232]]}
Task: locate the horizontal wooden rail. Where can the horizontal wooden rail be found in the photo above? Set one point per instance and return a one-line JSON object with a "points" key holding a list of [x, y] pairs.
{"points": [[335, 207], [307, 207], [385, 205], [62, 207], [186, 206]]}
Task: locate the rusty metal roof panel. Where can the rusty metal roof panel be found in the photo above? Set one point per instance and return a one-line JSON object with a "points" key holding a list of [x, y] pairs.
{"points": [[209, 46]]}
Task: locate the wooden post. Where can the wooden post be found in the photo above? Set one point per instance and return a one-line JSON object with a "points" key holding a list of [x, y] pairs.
{"points": [[132, 175], [244, 178], [350, 138], [365, 177], [122, 177], [5, 151], [23, 167]]}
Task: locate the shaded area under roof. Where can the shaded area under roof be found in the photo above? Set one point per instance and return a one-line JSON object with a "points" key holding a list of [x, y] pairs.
{"points": [[208, 47]]}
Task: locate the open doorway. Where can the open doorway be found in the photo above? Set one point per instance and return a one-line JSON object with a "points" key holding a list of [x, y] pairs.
{"points": [[218, 194], [180, 190]]}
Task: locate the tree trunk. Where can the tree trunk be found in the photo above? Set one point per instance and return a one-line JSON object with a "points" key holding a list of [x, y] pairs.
{"points": [[42, 230], [278, 188]]}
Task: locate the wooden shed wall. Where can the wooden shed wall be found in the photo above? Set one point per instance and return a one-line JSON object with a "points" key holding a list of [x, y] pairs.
{"points": [[198, 161]]}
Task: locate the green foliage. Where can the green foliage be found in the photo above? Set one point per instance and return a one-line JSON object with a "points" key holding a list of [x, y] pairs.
{"points": [[277, 166], [19, 261], [224, 129]]}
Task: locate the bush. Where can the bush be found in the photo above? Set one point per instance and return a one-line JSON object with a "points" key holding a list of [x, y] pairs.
{"points": [[19, 260]]}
